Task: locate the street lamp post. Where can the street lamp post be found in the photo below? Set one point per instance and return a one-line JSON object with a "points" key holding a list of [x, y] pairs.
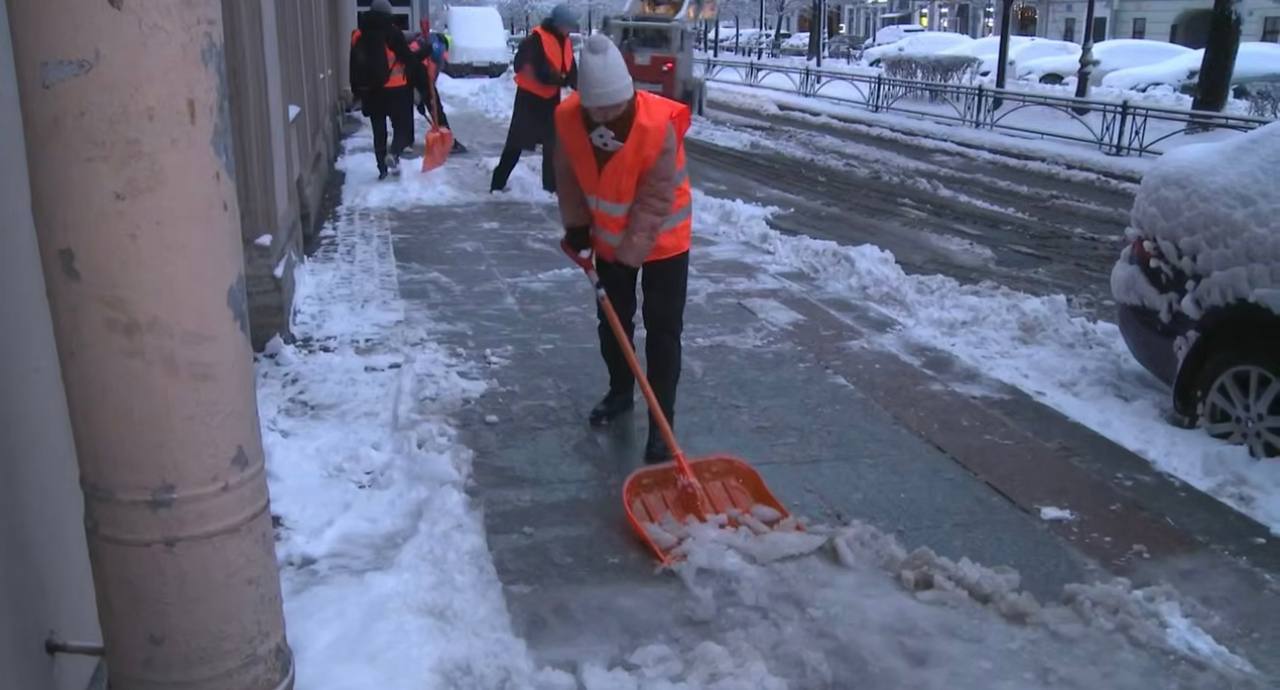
{"points": [[760, 36], [1006, 17], [1086, 54]]}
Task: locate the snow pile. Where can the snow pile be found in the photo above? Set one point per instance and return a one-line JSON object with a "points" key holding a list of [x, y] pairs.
{"points": [[492, 97], [386, 574], [1212, 213], [476, 36], [1151, 617], [855, 604], [1009, 336]]}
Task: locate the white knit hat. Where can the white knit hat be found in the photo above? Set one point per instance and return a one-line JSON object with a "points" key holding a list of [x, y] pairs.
{"points": [[603, 79]]}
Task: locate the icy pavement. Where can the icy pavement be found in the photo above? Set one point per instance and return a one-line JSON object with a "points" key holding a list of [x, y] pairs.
{"points": [[445, 519]]}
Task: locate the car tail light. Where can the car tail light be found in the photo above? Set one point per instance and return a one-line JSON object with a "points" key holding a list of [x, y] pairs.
{"points": [[1146, 253], [668, 66]]}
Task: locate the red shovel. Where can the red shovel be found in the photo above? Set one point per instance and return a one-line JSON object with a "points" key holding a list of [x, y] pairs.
{"points": [[682, 488]]}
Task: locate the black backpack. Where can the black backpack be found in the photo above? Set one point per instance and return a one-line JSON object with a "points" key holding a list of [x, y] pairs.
{"points": [[369, 68]]}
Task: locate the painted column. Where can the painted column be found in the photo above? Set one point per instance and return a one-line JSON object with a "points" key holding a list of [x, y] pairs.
{"points": [[128, 129]]}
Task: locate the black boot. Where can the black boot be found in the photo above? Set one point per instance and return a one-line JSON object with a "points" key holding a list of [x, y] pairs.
{"points": [[655, 450], [612, 406]]}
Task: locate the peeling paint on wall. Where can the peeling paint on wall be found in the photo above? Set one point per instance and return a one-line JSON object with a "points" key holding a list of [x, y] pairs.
{"points": [[54, 72], [212, 55]]}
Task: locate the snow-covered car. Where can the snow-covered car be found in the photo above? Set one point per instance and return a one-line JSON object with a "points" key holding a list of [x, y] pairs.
{"points": [[477, 42], [1198, 287], [1039, 49], [1116, 54], [844, 47], [796, 45], [1255, 61], [929, 43], [987, 50], [892, 34]]}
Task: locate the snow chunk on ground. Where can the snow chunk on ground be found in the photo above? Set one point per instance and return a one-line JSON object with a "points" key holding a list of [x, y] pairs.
{"points": [[1213, 213], [1052, 514], [263, 241]]}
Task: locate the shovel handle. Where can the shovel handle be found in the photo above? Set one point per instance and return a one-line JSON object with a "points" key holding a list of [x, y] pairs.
{"points": [[584, 260]]}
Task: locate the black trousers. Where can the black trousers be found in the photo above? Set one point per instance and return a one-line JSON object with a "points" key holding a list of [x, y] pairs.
{"points": [[396, 105], [511, 156], [664, 285]]}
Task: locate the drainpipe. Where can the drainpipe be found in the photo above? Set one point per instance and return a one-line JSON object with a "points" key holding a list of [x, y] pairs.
{"points": [[126, 121]]}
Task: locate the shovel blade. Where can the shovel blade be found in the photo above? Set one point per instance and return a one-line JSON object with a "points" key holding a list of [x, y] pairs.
{"points": [[724, 483]]}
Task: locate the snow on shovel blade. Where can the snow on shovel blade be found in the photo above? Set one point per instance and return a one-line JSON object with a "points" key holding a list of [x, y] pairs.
{"points": [[653, 497]]}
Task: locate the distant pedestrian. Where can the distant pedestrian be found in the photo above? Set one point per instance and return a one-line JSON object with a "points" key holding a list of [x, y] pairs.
{"points": [[625, 194], [543, 65], [432, 52], [380, 60]]}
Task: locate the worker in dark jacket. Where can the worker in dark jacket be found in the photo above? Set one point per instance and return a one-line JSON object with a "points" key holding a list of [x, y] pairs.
{"points": [[380, 71], [431, 51], [543, 65]]}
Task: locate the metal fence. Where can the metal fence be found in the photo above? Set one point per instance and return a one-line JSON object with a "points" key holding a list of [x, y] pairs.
{"points": [[1116, 128]]}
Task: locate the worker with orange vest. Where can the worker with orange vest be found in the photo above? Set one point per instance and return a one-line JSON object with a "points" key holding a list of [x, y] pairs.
{"points": [[625, 195], [431, 50], [543, 65], [380, 60]]}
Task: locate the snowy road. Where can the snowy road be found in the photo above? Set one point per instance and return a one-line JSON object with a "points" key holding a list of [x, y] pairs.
{"points": [[446, 345], [1029, 226]]}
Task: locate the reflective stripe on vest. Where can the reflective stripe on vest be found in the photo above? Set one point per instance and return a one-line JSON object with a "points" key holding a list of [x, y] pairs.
{"points": [[559, 59], [610, 192], [595, 203]]}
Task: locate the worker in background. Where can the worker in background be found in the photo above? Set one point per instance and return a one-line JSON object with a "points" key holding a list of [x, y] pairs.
{"points": [[431, 51], [543, 65], [380, 60], [624, 194]]}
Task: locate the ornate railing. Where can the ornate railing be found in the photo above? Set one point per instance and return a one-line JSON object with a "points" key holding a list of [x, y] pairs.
{"points": [[1117, 128]]}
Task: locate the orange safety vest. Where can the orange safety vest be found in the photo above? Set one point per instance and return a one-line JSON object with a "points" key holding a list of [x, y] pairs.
{"points": [[396, 77], [561, 62], [611, 191]]}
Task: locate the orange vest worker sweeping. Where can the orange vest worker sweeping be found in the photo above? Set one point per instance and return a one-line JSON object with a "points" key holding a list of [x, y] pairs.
{"points": [[559, 58], [543, 65], [624, 194]]}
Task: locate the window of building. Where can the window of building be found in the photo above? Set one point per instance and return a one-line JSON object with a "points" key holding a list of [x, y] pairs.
{"points": [[1069, 30], [1271, 29], [1173, 33], [1139, 27], [1099, 29]]}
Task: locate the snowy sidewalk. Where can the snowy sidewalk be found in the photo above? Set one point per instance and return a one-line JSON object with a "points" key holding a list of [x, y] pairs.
{"points": [[447, 346]]}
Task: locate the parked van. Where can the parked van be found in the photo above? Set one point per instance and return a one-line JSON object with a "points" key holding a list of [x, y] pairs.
{"points": [[477, 42]]}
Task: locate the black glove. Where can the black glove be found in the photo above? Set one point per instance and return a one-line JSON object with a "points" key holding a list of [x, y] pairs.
{"points": [[578, 238]]}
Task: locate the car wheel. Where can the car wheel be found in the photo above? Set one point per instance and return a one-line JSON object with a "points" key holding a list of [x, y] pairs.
{"points": [[1052, 79], [1238, 398]]}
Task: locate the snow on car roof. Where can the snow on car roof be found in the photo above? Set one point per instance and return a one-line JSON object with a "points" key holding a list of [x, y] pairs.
{"points": [[1214, 211], [1254, 60]]}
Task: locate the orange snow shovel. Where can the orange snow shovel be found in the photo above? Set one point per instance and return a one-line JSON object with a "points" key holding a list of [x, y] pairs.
{"points": [[435, 151], [697, 488]]}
